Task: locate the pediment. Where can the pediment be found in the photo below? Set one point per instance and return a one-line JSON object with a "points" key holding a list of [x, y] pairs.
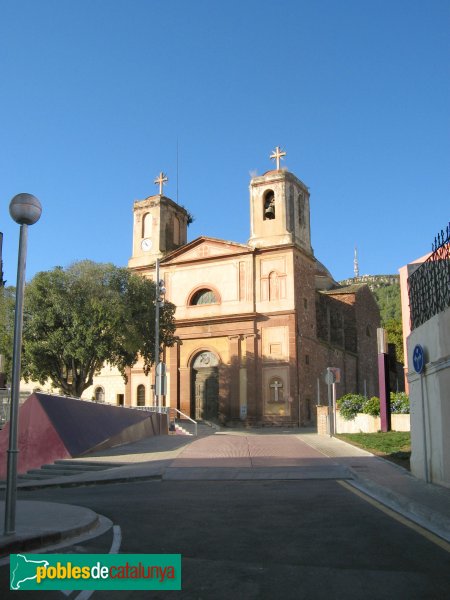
{"points": [[204, 247]]}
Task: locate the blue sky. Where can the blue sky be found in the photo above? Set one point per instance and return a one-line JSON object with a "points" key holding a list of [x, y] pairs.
{"points": [[94, 95]]}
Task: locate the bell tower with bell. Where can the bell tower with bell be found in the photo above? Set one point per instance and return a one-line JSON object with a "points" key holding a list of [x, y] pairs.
{"points": [[159, 226], [279, 209]]}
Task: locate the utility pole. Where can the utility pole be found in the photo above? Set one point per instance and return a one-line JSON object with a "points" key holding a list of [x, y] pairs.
{"points": [[2, 281]]}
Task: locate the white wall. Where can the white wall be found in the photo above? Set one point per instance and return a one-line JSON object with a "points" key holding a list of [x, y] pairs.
{"points": [[429, 395], [367, 424]]}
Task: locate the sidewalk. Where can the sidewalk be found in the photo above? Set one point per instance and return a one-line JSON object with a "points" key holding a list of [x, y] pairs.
{"points": [[426, 504], [231, 454]]}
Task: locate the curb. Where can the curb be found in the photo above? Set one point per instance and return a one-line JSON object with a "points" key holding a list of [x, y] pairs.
{"points": [[432, 521], [25, 543], [87, 482]]}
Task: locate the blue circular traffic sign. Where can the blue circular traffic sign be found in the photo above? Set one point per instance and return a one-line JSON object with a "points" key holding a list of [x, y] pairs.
{"points": [[418, 358]]}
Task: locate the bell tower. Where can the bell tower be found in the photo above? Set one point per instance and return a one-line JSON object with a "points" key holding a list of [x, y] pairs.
{"points": [[279, 209], [159, 226]]}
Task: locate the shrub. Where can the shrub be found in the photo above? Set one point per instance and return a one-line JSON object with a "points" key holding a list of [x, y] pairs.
{"points": [[350, 405], [371, 406], [400, 403]]}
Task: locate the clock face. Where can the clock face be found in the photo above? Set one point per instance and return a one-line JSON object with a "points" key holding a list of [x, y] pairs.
{"points": [[146, 244]]}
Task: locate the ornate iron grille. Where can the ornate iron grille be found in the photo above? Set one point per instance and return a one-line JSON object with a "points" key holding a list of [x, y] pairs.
{"points": [[429, 285]]}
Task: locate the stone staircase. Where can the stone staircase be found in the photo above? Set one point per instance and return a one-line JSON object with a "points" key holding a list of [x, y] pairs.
{"points": [[65, 468], [184, 427], [179, 430]]}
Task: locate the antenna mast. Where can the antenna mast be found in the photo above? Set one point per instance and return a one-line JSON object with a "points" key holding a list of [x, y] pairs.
{"points": [[355, 263]]}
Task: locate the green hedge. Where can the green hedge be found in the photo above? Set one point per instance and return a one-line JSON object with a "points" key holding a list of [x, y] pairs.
{"points": [[352, 404]]}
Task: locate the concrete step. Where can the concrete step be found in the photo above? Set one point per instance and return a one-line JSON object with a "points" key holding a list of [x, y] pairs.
{"points": [[88, 463], [179, 430], [52, 472], [39, 476], [66, 468], [74, 467]]}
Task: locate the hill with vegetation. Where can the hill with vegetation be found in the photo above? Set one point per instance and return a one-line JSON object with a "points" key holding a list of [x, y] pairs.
{"points": [[386, 290]]}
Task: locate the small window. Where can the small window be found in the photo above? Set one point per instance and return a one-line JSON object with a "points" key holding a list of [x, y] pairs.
{"points": [[120, 399], [140, 398], [305, 303], [368, 332], [204, 296], [306, 359], [99, 394], [308, 409]]}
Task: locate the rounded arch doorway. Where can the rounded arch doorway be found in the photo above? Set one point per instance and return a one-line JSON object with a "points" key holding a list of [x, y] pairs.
{"points": [[205, 387]]}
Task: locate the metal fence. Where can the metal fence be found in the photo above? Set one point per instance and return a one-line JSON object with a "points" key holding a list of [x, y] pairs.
{"points": [[429, 284]]}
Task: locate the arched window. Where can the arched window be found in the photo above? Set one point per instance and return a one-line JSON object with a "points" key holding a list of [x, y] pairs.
{"points": [[274, 286], [269, 205], [140, 396], [301, 209], [176, 231], [147, 221], [99, 394], [204, 296]]}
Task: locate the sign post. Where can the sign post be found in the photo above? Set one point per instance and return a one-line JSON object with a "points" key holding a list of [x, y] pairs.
{"points": [[383, 380], [330, 379], [419, 364], [161, 381]]}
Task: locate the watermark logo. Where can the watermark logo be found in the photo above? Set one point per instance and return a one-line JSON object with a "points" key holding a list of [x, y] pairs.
{"points": [[95, 571]]}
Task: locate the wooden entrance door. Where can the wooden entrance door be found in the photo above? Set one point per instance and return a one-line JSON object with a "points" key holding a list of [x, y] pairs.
{"points": [[206, 393]]}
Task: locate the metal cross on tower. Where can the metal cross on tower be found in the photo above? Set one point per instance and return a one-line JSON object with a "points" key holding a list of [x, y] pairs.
{"points": [[276, 155], [161, 180]]}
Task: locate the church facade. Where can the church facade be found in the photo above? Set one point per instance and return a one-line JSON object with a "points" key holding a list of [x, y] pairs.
{"points": [[258, 323]]}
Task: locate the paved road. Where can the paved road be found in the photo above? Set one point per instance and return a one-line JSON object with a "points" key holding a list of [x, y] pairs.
{"points": [[272, 538]]}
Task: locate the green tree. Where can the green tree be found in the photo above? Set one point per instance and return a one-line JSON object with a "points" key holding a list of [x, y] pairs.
{"points": [[77, 319], [7, 300], [394, 330], [389, 303]]}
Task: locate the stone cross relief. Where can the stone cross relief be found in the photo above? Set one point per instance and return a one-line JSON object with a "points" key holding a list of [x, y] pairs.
{"points": [[276, 386]]}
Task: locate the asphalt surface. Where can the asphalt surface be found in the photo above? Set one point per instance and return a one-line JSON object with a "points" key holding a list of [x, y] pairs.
{"points": [[281, 469]]}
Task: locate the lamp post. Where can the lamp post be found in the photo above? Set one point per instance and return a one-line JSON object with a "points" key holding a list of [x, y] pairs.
{"points": [[26, 210], [159, 301]]}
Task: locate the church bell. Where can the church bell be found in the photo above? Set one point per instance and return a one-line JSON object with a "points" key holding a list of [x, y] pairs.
{"points": [[269, 212]]}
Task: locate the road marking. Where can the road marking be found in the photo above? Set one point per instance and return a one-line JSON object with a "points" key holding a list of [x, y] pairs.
{"points": [[398, 517], [115, 547], [117, 540]]}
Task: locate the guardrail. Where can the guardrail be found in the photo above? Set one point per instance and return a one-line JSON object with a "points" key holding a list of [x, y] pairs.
{"points": [[170, 411], [4, 406]]}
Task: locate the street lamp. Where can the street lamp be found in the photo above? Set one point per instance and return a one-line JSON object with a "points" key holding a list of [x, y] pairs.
{"points": [[26, 210]]}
